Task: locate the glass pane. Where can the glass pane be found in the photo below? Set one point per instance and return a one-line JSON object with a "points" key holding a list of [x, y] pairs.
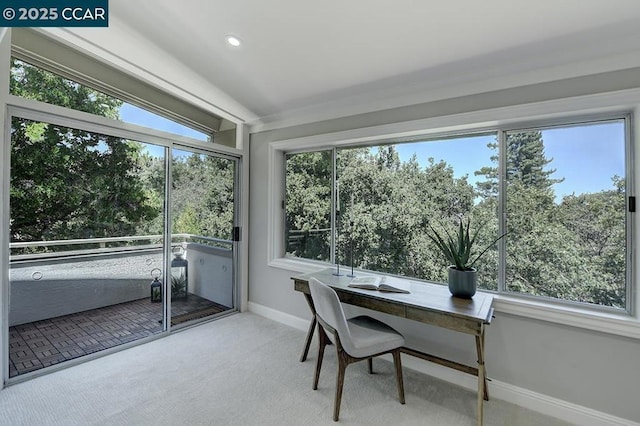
{"points": [[35, 83], [135, 115], [85, 239], [566, 213], [202, 196], [390, 194], [308, 207]]}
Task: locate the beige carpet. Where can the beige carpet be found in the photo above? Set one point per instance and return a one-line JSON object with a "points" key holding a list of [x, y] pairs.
{"points": [[239, 370]]}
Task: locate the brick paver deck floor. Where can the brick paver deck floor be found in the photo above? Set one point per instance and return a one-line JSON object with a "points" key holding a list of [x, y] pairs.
{"points": [[40, 344]]}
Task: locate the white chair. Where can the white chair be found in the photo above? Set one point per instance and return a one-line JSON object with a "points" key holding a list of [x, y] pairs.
{"points": [[355, 339]]}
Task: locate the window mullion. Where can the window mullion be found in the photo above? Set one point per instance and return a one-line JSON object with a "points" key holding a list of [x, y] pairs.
{"points": [[633, 296], [334, 203], [502, 212]]}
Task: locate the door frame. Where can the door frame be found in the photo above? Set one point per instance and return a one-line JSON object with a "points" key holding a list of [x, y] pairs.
{"points": [[39, 111]]}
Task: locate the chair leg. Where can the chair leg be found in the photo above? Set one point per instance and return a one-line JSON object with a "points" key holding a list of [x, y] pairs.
{"points": [[398, 364], [370, 365], [342, 366], [322, 342]]}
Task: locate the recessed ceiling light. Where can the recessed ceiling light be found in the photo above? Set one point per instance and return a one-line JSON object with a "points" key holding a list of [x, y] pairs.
{"points": [[233, 41]]}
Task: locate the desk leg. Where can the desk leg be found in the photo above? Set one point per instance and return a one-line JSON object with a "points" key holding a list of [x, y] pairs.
{"points": [[480, 349], [483, 391], [312, 328]]}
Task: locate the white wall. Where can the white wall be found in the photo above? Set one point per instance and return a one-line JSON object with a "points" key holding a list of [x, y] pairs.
{"points": [[66, 286], [211, 273], [591, 369]]}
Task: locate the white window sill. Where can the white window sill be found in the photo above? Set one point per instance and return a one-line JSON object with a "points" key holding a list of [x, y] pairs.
{"points": [[296, 265], [611, 323], [617, 324]]}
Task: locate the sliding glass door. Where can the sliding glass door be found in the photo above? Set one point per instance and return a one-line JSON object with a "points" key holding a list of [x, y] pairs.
{"points": [[86, 239], [102, 230], [202, 229]]}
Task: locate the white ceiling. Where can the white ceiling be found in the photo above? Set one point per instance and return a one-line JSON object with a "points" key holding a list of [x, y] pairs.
{"points": [[302, 60]]}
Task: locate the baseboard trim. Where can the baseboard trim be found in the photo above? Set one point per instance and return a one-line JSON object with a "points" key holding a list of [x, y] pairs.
{"points": [[560, 409], [279, 316], [545, 404]]}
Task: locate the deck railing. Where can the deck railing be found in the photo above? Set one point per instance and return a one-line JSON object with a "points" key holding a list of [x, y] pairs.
{"points": [[36, 250], [52, 278]]}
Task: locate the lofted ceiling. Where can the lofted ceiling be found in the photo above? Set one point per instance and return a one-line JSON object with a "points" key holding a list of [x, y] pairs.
{"points": [[302, 60]]}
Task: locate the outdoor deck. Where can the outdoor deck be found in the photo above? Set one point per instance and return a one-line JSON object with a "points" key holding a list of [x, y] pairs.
{"points": [[40, 344]]}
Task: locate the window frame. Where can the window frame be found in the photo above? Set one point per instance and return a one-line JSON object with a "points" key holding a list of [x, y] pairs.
{"points": [[13, 105], [158, 97], [39, 111], [561, 112], [501, 134], [133, 101], [630, 285]]}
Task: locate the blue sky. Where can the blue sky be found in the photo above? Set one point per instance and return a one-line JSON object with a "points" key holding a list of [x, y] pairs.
{"points": [[585, 156], [135, 115]]}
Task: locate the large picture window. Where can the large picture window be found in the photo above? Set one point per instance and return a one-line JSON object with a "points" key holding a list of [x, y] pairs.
{"points": [[558, 193]]}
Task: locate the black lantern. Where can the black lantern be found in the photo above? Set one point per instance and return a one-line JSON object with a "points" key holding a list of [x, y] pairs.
{"points": [[156, 286], [179, 274]]}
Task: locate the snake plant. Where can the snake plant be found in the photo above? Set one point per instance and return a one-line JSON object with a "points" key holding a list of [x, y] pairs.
{"points": [[458, 250]]}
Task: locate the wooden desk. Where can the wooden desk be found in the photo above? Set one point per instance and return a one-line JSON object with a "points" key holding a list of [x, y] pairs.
{"points": [[427, 303]]}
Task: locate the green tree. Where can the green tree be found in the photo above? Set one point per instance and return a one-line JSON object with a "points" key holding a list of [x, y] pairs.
{"points": [[35, 83], [187, 221], [489, 187], [571, 250], [393, 203], [68, 183], [152, 176], [526, 162], [202, 195], [308, 205], [596, 222]]}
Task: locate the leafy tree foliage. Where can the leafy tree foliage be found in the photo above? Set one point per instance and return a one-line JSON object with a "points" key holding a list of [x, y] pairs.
{"points": [[308, 206], [392, 204], [571, 249], [68, 183], [596, 222], [202, 195], [526, 160], [548, 244], [489, 188], [35, 83]]}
